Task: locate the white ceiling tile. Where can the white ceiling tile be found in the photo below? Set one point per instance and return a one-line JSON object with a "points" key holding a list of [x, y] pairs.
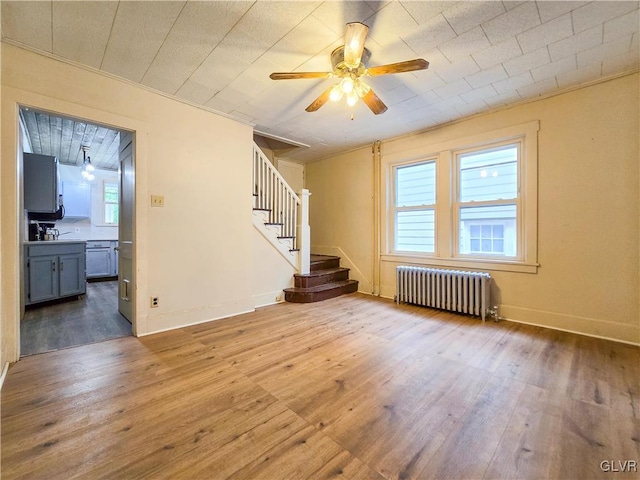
{"points": [[551, 9], [218, 69], [447, 104], [429, 35], [286, 55], [390, 53], [422, 12], [198, 29], [577, 43], [485, 77], [546, 33], [564, 65], [453, 89], [479, 94], [471, 108], [511, 4], [220, 105], [466, 44], [137, 35], [518, 20], [575, 77], [466, 15], [498, 53], [241, 116], [28, 23], [255, 79], [398, 94], [312, 36], [503, 99], [621, 63], [513, 83], [527, 62], [600, 53], [392, 22], [322, 61], [90, 21], [195, 92], [423, 81], [336, 15], [232, 95], [419, 101], [618, 27], [243, 46], [539, 88], [269, 21], [595, 13], [386, 82], [457, 70]]}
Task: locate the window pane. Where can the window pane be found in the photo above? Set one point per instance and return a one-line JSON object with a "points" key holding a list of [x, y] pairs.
{"points": [[489, 174], [497, 227], [415, 231], [416, 185], [111, 213], [111, 192]]}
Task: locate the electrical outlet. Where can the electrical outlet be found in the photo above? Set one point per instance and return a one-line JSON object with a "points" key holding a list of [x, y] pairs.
{"points": [[157, 200], [154, 302]]}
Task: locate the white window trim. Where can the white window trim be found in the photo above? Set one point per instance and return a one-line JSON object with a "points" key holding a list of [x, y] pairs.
{"points": [[446, 233]]}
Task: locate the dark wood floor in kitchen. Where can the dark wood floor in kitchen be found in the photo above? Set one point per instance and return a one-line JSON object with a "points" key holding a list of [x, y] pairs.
{"points": [[352, 387], [68, 323]]}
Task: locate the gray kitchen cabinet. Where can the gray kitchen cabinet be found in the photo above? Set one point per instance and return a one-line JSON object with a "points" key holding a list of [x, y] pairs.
{"points": [[54, 270], [40, 183], [102, 258]]}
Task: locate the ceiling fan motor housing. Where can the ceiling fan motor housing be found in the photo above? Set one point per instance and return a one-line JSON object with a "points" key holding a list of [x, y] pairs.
{"points": [[340, 69]]}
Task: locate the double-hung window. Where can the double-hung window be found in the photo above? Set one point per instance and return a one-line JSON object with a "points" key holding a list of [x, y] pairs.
{"points": [[110, 196], [471, 203], [487, 201], [415, 199]]}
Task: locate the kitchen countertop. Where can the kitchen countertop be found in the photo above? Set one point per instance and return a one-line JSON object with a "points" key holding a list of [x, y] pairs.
{"points": [[67, 240]]}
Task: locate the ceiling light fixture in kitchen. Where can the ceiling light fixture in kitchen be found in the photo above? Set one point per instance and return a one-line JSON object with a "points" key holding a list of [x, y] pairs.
{"points": [[87, 167]]}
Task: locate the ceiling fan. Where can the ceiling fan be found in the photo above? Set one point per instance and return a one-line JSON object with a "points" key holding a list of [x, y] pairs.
{"points": [[349, 64]]}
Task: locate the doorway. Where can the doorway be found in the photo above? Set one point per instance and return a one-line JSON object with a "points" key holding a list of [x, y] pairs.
{"points": [[95, 167]]}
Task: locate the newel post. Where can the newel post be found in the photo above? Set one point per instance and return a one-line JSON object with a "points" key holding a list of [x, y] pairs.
{"points": [[304, 232]]}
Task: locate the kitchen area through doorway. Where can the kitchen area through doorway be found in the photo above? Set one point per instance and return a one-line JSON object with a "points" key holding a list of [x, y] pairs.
{"points": [[72, 216]]}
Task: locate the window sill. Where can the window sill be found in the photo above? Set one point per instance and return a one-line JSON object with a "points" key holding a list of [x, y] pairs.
{"points": [[475, 264]]}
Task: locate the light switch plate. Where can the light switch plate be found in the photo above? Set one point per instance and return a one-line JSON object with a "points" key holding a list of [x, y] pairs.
{"points": [[157, 200]]}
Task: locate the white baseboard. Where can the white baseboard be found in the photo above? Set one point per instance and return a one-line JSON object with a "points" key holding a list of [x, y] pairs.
{"points": [[269, 298]]}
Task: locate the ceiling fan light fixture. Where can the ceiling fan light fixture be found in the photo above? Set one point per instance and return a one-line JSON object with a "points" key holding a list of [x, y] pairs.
{"points": [[336, 93], [347, 84], [352, 98], [354, 43], [361, 88]]}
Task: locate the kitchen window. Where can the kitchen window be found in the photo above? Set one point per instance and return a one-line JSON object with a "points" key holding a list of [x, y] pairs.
{"points": [[470, 203], [111, 203]]}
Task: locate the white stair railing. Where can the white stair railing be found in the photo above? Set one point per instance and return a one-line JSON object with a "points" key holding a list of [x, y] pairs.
{"points": [[273, 195]]}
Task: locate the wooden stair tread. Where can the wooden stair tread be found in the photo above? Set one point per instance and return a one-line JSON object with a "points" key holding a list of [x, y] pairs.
{"points": [[319, 273], [321, 288]]}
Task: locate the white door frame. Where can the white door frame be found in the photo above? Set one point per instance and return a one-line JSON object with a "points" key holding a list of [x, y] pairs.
{"points": [[10, 305]]}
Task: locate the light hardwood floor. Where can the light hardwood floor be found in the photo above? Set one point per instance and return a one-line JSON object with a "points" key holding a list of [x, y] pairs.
{"points": [[353, 387]]}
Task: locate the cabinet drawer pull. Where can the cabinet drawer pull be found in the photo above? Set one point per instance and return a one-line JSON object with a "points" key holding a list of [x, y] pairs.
{"points": [[53, 267]]}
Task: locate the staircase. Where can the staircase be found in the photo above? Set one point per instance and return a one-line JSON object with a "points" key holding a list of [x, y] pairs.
{"points": [[326, 279]]}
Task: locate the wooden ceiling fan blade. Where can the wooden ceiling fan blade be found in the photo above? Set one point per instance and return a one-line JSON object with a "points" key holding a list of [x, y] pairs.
{"points": [[354, 43], [295, 75], [372, 100], [400, 67], [320, 101]]}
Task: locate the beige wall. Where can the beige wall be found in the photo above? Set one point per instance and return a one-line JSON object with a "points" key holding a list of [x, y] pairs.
{"points": [[195, 254], [588, 214]]}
